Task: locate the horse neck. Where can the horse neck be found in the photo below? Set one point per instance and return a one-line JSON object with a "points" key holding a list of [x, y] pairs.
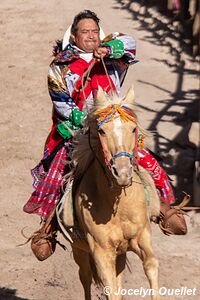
{"points": [[104, 183]]}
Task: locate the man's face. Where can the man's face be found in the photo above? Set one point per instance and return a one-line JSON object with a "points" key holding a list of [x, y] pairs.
{"points": [[87, 36]]}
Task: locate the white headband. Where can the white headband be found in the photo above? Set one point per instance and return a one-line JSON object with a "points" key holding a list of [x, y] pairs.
{"points": [[67, 37]]}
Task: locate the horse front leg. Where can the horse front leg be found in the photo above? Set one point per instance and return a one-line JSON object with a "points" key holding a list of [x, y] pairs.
{"points": [[150, 263], [120, 266], [105, 262], [82, 259]]}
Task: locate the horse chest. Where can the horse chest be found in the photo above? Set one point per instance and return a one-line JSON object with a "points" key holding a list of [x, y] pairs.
{"points": [[120, 236]]}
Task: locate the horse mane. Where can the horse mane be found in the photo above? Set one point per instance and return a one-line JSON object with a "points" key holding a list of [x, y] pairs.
{"points": [[83, 154], [86, 144]]}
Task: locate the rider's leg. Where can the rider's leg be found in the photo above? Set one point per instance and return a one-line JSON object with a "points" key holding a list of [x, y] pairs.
{"points": [[162, 183], [172, 220], [43, 201]]}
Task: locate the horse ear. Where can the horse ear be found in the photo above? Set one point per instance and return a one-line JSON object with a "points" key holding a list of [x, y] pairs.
{"points": [[101, 97], [130, 96]]}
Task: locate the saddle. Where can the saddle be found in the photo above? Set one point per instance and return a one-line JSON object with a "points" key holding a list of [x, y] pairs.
{"points": [[65, 213]]}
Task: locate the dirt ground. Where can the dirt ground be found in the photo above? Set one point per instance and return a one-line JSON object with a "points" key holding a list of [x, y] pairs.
{"points": [[166, 84]]}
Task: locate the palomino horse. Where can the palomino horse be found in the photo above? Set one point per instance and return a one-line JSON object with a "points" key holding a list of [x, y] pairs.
{"points": [[110, 202]]}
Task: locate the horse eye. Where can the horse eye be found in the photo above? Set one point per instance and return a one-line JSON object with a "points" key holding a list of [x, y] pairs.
{"points": [[100, 131], [134, 130]]}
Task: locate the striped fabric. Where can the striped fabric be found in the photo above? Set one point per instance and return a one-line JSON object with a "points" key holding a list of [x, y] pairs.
{"points": [[48, 187], [162, 183]]}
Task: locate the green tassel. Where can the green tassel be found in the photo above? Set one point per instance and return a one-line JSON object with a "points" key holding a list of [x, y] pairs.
{"points": [[75, 121], [77, 117]]}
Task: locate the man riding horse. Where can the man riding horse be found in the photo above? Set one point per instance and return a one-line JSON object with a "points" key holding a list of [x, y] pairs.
{"points": [[73, 94]]}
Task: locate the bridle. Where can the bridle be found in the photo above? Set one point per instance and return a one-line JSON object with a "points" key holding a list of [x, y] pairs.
{"points": [[132, 156], [107, 170]]}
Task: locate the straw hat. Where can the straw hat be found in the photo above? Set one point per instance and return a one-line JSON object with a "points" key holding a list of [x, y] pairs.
{"points": [[67, 37]]}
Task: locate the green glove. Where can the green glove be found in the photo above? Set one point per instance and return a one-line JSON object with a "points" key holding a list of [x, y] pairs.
{"points": [[77, 117], [63, 129], [117, 48]]}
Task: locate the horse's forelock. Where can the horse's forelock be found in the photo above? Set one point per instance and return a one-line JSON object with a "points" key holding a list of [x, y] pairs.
{"points": [[108, 112], [115, 101], [129, 108]]}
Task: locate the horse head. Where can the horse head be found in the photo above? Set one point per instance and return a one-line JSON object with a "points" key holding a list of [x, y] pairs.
{"points": [[117, 130]]}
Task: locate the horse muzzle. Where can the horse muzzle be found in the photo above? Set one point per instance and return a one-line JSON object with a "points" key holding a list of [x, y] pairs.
{"points": [[122, 174]]}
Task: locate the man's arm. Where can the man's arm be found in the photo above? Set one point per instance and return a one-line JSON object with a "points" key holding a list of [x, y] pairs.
{"points": [[120, 46], [120, 51], [63, 103]]}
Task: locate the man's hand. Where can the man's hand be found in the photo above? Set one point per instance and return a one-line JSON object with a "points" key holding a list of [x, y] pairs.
{"points": [[101, 52]]}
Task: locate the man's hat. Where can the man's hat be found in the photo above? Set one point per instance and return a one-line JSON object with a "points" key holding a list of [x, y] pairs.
{"points": [[68, 39]]}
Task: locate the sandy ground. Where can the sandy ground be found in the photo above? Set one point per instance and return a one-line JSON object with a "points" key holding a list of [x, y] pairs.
{"points": [[166, 85]]}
